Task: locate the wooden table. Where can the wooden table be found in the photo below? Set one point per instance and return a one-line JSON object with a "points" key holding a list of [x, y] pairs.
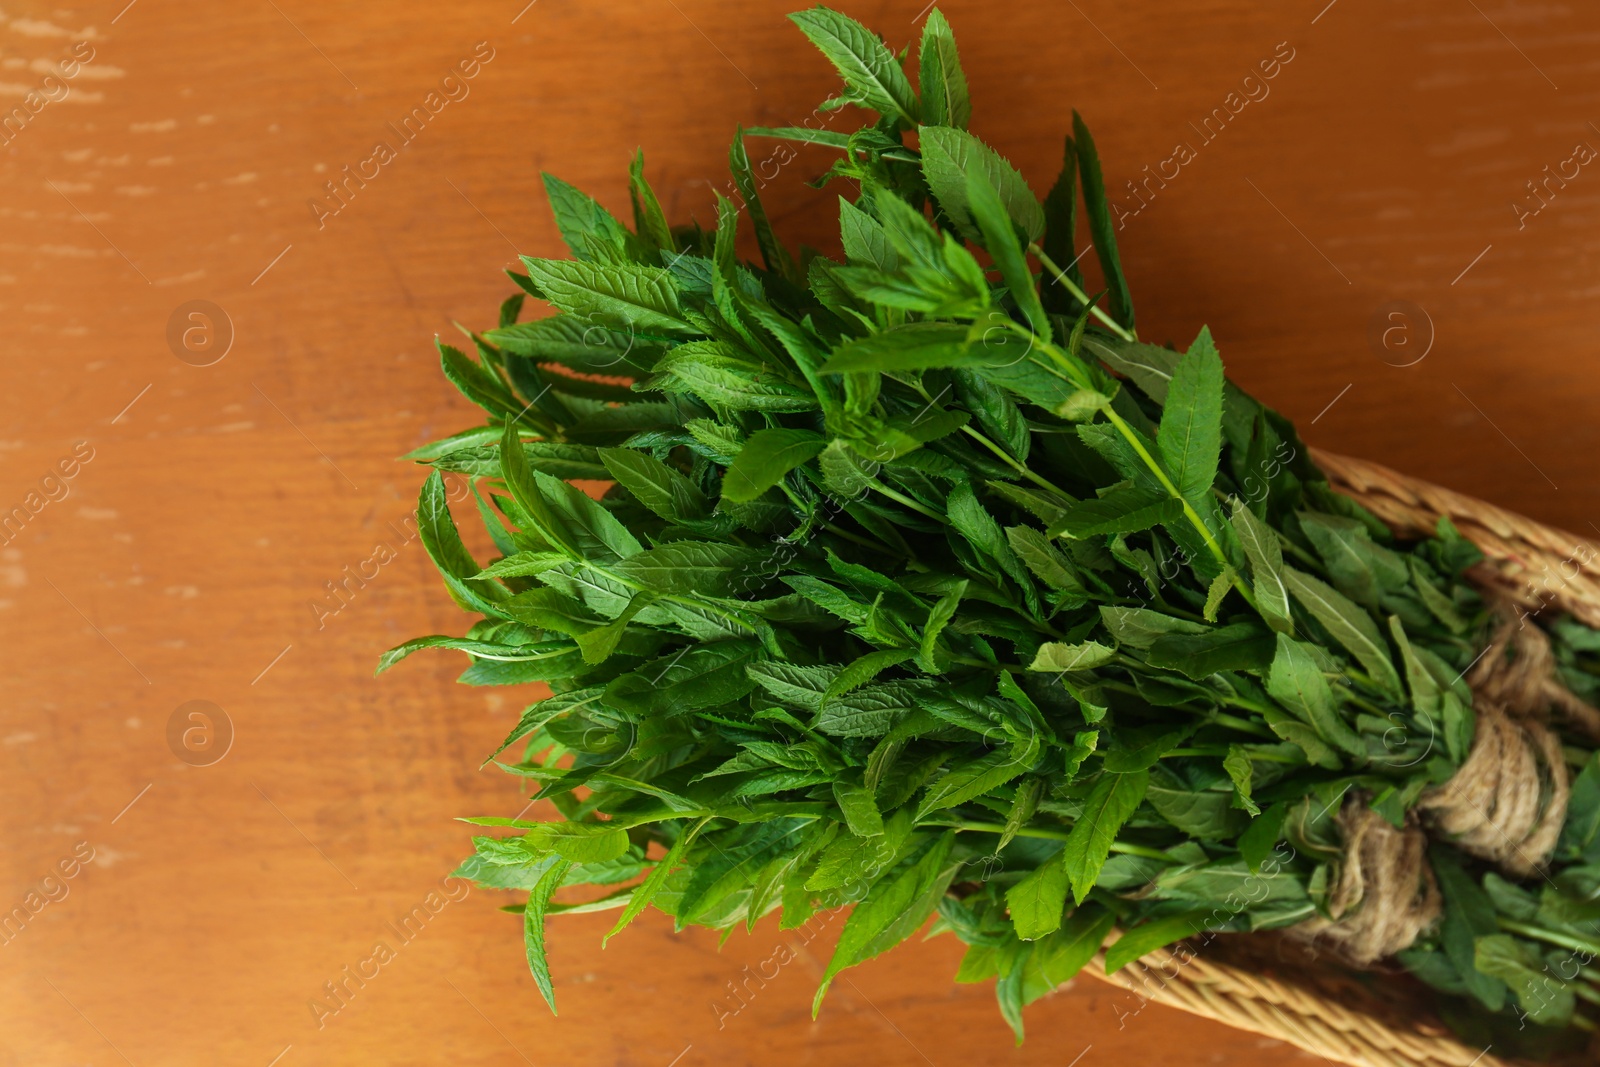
{"points": [[186, 560]]}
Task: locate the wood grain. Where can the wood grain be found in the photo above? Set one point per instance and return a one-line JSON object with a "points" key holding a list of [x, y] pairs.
{"points": [[1381, 165]]}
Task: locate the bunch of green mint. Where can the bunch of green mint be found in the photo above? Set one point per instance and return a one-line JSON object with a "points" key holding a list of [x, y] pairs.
{"points": [[922, 585]]}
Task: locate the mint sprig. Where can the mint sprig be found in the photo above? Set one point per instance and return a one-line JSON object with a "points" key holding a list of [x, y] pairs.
{"points": [[921, 584]]}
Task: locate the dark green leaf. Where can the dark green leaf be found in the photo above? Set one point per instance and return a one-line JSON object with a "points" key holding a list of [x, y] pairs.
{"points": [[1241, 647], [1147, 937], [1100, 223], [1351, 626], [765, 458]]}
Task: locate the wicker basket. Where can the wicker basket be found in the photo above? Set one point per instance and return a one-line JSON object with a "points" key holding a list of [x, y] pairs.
{"points": [[1320, 1009]]}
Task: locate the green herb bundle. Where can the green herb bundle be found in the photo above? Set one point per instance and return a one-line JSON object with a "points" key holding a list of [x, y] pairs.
{"points": [[922, 585]]}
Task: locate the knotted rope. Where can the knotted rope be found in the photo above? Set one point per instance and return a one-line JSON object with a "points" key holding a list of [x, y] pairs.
{"points": [[1506, 803], [1384, 893]]}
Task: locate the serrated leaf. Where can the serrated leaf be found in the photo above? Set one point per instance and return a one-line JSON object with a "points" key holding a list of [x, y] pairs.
{"points": [[648, 218], [1067, 951], [646, 890], [939, 617], [1349, 624], [1141, 627], [1295, 681], [619, 295], [1240, 647], [871, 73], [872, 711], [977, 777], [943, 84], [590, 231], [442, 541], [533, 928], [988, 214], [863, 670], [893, 909], [949, 155], [1041, 557], [919, 346], [1190, 436], [1061, 232], [1241, 772], [799, 686], [773, 254], [766, 457], [865, 242], [1061, 657], [1265, 554], [1110, 804], [1038, 902], [694, 568], [859, 808], [1128, 509]]}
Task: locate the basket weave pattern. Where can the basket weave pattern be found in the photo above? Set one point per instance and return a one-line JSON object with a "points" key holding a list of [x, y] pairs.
{"points": [[1541, 568]]}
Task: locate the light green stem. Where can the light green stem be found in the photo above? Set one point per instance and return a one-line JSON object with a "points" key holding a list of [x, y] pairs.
{"points": [[1577, 944], [1072, 287], [1057, 835], [905, 501]]}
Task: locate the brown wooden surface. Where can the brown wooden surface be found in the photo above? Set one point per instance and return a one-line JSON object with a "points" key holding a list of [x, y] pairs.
{"points": [[190, 549]]}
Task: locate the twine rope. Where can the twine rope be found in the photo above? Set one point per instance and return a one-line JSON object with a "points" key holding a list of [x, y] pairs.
{"points": [[1506, 803]]}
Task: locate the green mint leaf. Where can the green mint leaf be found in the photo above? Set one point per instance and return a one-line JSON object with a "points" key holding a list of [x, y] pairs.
{"points": [[1263, 834], [765, 458], [648, 219], [950, 155], [646, 890], [1241, 772], [939, 617], [618, 295], [533, 928], [893, 909], [1544, 997], [1061, 955], [1349, 624], [861, 671], [859, 808], [1061, 234], [1127, 509], [1147, 937], [1083, 656], [918, 346], [1098, 209], [1190, 436], [1295, 681], [871, 73], [1038, 902], [656, 485], [865, 242], [589, 230], [1265, 555], [977, 777], [1110, 804], [773, 254], [988, 214], [944, 87]]}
